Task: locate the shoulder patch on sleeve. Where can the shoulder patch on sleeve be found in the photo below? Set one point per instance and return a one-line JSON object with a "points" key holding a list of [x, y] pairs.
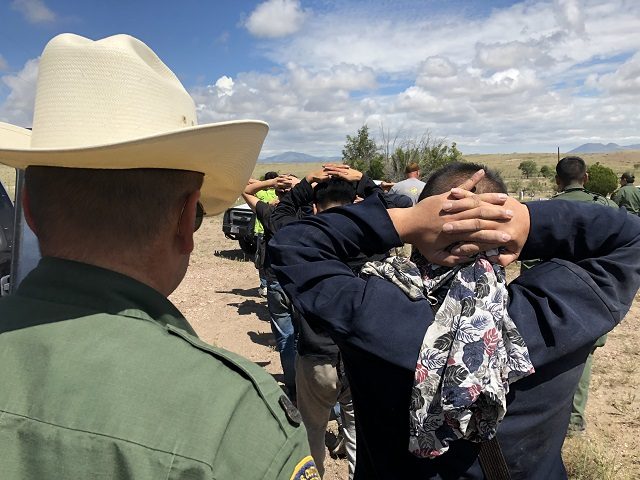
{"points": [[306, 470]]}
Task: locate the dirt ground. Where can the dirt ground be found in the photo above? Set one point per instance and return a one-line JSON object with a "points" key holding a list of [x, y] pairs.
{"points": [[219, 297]]}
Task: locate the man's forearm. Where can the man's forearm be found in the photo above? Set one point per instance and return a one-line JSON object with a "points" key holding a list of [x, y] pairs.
{"points": [[255, 187], [575, 230]]}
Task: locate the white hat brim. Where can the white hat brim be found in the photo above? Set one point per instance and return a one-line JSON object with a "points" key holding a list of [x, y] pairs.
{"points": [[226, 153]]}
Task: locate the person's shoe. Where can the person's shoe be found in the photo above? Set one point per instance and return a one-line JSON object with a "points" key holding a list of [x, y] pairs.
{"points": [[576, 429], [262, 291]]}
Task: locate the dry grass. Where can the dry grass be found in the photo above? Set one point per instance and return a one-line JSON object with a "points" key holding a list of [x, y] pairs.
{"points": [[590, 459]]}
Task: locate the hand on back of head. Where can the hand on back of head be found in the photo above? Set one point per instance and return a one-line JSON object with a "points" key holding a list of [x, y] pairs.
{"points": [[345, 172], [470, 222]]}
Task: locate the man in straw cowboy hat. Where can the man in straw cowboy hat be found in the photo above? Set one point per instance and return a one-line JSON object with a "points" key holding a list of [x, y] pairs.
{"points": [[101, 376]]}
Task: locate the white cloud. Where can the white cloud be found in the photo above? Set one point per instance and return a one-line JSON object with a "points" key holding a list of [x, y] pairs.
{"points": [[35, 11], [18, 106], [340, 77], [224, 85], [570, 15], [276, 18], [625, 80], [3, 63], [438, 66], [511, 54]]}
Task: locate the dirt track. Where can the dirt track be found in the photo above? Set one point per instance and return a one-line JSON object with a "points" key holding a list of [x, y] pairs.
{"points": [[220, 298]]}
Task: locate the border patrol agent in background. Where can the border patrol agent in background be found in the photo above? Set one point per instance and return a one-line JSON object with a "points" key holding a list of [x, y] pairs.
{"points": [[101, 375], [628, 195], [571, 176]]}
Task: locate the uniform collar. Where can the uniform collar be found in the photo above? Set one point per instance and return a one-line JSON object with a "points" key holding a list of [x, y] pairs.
{"points": [[98, 290], [573, 186]]}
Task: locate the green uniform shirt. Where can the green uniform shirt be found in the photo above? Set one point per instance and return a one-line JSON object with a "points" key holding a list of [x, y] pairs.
{"points": [[628, 197], [573, 193], [267, 196], [577, 193], [102, 377]]}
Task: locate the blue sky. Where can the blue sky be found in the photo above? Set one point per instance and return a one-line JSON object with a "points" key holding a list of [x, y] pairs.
{"points": [[494, 76]]}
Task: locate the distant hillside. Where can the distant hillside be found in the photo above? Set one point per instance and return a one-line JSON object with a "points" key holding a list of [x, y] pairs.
{"points": [[602, 148], [297, 157]]}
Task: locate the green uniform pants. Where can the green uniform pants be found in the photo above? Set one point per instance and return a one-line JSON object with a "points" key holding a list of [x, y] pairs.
{"points": [[577, 420]]}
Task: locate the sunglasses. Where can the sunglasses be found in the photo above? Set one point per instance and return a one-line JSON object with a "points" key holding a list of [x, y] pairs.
{"points": [[200, 213]]}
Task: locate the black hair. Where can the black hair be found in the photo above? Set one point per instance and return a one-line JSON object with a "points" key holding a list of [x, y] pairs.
{"points": [[571, 170], [629, 177], [455, 173], [332, 192], [270, 175]]}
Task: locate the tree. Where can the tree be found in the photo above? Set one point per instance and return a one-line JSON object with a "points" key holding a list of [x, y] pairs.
{"points": [[389, 159], [547, 172], [360, 151], [528, 168], [376, 167], [602, 179], [439, 155], [428, 152]]}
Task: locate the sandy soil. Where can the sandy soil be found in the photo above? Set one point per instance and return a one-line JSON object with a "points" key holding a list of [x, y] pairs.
{"points": [[220, 298]]}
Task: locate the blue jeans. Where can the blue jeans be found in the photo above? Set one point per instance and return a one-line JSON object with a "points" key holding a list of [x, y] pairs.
{"points": [[280, 311]]}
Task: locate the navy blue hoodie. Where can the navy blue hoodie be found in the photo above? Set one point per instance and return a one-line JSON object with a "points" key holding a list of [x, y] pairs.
{"points": [[560, 307]]}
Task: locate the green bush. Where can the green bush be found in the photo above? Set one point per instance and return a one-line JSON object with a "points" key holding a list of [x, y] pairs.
{"points": [[547, 172], [602, 179]]}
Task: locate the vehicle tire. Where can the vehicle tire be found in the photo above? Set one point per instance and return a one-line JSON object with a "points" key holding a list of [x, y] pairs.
{"points": [[248, 244]]}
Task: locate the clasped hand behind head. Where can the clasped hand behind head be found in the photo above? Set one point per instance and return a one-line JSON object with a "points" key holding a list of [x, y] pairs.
{"points": [[449, 228]]}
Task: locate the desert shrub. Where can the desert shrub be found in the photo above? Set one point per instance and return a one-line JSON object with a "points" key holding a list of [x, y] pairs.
{"points": [[602, 179], [547, 172]]}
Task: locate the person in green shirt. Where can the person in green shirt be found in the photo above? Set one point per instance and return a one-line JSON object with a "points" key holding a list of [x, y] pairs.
{"points": [[628, 195], [268, 195], [571, 176], [101, 375]]}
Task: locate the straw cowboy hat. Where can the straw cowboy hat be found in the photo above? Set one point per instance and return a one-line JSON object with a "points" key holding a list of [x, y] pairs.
{"points": [[113, 104]]}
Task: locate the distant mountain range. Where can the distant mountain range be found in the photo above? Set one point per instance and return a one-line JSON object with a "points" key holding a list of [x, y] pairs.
{"points": [[297, 157], [602, 148]]}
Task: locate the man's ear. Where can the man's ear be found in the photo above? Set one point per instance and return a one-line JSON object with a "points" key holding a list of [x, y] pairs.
{"points": [[186, 224], [26, 209], [585, 179]]}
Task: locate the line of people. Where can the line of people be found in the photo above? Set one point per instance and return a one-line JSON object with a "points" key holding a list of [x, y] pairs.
{"points": [[313, 371]]}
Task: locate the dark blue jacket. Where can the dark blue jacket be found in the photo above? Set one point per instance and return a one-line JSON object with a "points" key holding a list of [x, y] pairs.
{"points": [[560, 307]]}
